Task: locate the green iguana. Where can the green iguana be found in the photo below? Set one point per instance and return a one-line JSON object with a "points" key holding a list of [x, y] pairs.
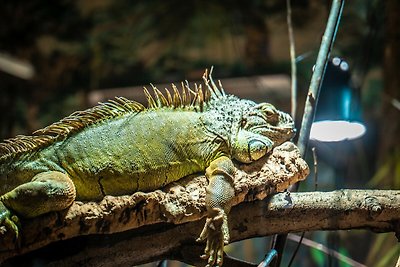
{"points": [[121, 147]]}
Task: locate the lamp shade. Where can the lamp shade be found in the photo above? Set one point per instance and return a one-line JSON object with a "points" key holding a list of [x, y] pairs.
{"points": [[338, 115]]}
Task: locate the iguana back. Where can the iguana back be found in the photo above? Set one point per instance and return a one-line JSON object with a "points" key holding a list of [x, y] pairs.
{"points": [[136, 152]]}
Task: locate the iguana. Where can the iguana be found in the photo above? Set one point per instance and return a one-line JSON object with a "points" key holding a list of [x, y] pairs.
{"points": [[121, 147]]}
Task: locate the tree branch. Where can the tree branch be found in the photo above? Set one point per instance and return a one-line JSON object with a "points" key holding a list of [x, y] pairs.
{"points": [[318, 75], [377, 210]]}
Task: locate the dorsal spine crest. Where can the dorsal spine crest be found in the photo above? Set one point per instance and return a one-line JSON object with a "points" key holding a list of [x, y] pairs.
{"points": [[186, 99]]}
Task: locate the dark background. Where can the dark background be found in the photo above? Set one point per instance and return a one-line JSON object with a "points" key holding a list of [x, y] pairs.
{"points": [[71, 49]]}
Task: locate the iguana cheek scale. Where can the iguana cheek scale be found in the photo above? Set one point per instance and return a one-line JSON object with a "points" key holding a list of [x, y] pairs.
{"points": [[121, 147]]}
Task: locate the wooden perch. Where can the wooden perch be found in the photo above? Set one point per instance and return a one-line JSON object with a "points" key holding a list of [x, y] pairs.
{"points": [[377, 210]]}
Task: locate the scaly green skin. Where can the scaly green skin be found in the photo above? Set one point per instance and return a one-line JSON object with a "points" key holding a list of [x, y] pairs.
{"points": [[131, 160], [143, 151]]}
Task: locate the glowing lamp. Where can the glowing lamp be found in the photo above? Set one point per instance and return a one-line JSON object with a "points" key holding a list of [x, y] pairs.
{"points": [[338, 114]]}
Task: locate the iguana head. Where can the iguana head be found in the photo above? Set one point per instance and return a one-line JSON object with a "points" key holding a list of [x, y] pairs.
{"points": [[260, 128], [251, 130]]}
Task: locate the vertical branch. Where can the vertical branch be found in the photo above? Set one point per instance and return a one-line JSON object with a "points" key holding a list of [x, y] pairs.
{"points": [[318, 74], [279, 241], [312, 100], [293, 69]]}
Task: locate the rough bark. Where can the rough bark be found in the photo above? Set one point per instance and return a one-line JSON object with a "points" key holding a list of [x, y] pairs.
{"points": [[377, 210]]}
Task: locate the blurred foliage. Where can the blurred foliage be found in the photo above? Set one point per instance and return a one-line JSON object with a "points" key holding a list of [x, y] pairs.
{"points": [[389, 168], [384, 251], [104, 43], [49, 35], [318, 256]]}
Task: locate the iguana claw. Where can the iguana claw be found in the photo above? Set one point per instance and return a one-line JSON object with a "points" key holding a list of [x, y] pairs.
{"points": [[216, 233], [8, 222]]}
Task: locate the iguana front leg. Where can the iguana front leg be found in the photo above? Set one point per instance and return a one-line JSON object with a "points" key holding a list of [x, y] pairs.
{"points": [[47, 191], [219, 195]]}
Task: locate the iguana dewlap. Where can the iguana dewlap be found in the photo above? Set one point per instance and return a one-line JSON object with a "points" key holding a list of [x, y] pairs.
{"points": [[121, 147]]}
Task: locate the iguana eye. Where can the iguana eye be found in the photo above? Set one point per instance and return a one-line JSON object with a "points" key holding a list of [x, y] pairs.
{"points": [[270, 113]]}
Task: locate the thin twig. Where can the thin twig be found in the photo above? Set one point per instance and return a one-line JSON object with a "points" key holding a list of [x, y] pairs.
{"points": [[293, 68], [279, 241], [16, 67], [312, 99], [310, 243], [268, 258], [315, 168], [297, 249], [315, 189]]}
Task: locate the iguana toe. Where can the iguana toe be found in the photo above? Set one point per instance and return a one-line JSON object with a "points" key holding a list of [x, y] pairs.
{"points": [[215, 234], [9, 223]]}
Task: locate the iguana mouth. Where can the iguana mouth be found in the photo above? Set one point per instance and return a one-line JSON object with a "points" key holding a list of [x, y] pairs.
{"points": [[285, 120], [269, 130], [285, 126]]}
